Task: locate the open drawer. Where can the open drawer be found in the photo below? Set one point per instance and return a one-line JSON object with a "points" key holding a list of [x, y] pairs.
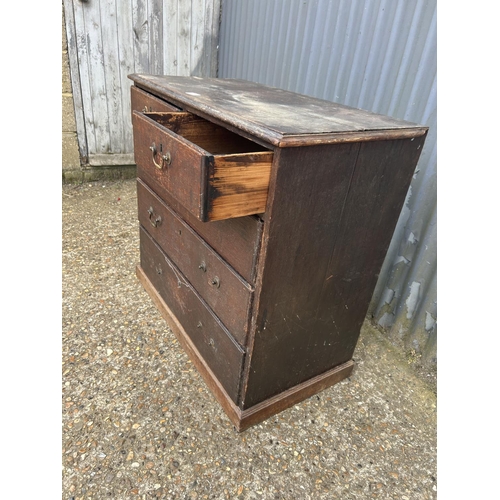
{"points": [[213, 172]]}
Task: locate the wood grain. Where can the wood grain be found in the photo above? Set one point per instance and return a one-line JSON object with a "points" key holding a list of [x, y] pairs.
{"points": [[141, 101], [238, 185], [190, 348], [236, 240], [268, 113], [329, 194], [185, 178], [212, 187], [327, 233], [220, 351], [228, 295], [242, 420]]}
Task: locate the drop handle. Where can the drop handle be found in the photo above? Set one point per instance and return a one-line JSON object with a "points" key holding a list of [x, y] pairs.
{"points": [[215, 281], [203, 267], [165, 159], [155, 221]]}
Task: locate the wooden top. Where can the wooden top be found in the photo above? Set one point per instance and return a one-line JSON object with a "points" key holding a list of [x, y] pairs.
{"points": [[279, 117]]}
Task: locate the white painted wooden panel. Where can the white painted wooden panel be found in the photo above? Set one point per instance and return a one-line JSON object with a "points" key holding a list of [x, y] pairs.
{"points": [[109, 39]]}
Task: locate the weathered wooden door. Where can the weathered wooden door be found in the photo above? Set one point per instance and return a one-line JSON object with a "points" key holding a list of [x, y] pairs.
{"points": [[110, 39]]}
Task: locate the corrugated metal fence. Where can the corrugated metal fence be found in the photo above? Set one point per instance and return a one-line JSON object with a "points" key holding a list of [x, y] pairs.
{"points": [[378, 55]]}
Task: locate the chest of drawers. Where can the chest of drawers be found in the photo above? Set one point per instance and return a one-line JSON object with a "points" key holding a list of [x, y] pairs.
{"points": [[265, 217]]}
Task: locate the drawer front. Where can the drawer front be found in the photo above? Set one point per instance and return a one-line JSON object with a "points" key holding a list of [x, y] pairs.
{"points": [[214, 173], [147, 103], [221, 352], [219, 285], [182, 175], [237, 241]]}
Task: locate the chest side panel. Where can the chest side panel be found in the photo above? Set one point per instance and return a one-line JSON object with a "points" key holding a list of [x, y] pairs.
{"points": [[331, 219]]}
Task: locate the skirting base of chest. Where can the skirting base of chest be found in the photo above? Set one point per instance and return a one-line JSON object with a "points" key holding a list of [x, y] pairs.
{"points": [[243, 419]]}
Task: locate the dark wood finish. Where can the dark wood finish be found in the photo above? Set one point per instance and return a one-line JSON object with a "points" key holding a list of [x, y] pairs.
{"points": [[333, 194], [144, 102], [185, 178], [242, 419], [321, 266], [222, 288], [296, 394], [218, 348], [212, 186], [237, 241], [189, 347], [277, 116]]}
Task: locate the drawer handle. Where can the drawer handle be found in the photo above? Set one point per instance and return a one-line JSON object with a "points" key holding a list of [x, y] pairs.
{"points": [[166, 158], [154, 222], [215, 282], [203, 267]]}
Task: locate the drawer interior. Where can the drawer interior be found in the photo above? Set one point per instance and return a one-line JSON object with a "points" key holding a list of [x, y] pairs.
{"points": [[212, 138]]}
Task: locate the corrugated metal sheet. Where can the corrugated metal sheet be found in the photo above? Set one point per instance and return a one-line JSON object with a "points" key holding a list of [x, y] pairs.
{"points": [[108, 40], [378, 55]]}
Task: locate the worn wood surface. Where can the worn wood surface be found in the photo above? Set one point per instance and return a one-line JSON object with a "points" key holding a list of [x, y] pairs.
{"points": [[292, 396], [219, 350], [228, 295], [238, 185], [211, 187], [213, 138], [185, 178], [146, 103], [76, 87], [330, 211], [277, 116], [237, 241], [109, 40], [213, 383], [326, 235], [242, 420]]}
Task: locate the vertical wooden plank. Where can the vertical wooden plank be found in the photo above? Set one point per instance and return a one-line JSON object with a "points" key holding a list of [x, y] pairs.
{"points": [[111, 71], [82, 47], [126, 67], [141, 36], [76, 88], [156, 36], [98, 93], [184, 37], [170, 29], [196, 38], [212, 29]]}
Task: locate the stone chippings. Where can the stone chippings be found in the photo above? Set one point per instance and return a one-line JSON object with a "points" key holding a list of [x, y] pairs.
{"points": [[139, 422]]}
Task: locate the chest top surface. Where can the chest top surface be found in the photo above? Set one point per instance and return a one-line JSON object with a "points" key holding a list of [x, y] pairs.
{"points": [[281, 117]]}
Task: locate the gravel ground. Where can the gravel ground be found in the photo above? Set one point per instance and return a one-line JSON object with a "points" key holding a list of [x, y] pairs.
{"points": [[139, 422]]}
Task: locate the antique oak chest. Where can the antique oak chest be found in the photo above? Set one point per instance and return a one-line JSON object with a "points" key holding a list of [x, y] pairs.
{"points": [[265, 217]]}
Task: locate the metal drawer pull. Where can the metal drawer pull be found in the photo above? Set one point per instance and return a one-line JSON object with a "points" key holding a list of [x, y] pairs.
{"points": [[203, 267], [154, 222], [215, 282], [166, 158]]}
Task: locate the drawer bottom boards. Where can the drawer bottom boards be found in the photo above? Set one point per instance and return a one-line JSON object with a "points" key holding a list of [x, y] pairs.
{"points": [[219, 350]]}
